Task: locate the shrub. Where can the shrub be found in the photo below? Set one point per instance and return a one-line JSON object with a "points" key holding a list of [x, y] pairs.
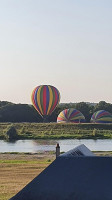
{"points": [[11, 133]]}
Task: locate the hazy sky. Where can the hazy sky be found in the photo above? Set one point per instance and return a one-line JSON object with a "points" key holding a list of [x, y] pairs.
{"points": [[64, 43]]}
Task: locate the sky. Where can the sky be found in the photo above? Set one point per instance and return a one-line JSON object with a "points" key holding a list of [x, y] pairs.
{"points": [[64, 43]]}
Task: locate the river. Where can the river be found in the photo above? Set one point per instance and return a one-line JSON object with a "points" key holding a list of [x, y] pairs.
{"points": [[36, 146]]}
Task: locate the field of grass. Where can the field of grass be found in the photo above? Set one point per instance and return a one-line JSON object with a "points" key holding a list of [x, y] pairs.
{"points": [[17, 170], [58, 131]]}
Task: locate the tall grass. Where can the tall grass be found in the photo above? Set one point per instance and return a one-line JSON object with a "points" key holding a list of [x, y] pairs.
{"points": [[58, 131]]}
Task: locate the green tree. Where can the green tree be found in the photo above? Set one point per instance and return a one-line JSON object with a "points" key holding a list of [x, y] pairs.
{"points": [[85, 109], [102, 105]]}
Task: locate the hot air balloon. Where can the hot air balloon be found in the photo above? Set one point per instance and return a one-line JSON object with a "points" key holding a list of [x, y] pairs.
{"points": [[70, 115], [45, 98], [101, 116]]}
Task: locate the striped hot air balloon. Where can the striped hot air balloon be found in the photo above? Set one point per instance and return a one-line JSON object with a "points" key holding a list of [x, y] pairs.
{"points": [[45, 98], [101, 116], [70, 115]]}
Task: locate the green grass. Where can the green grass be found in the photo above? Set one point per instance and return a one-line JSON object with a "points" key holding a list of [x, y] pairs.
{"points": [[15, 174], [25, 161], [58, 130]]}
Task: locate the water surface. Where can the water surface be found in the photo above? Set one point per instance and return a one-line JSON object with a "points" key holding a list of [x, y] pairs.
{"points": [[34, 146]]}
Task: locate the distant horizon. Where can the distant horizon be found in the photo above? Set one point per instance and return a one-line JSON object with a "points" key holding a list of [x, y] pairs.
{"points": [[59, 102]]}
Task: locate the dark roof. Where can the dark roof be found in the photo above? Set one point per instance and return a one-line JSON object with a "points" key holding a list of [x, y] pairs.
{"points": [[72, 178]]}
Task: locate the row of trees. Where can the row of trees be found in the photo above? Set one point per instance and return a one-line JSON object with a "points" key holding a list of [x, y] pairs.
{"points": [[10, 112]]}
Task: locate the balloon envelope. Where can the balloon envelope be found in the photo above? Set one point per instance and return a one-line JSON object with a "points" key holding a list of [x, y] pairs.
{"points": [[101, 116], [45, 98], [70, 115]]}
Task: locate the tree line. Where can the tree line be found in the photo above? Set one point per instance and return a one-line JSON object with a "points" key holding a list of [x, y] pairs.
{"points": [[10, 112]]}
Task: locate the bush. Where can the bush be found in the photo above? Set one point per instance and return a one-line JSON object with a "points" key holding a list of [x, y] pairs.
{"points": [[11, 133]]}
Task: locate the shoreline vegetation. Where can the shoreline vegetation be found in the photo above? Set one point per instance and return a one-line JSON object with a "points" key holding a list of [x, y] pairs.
{"points": [[19, 131]]}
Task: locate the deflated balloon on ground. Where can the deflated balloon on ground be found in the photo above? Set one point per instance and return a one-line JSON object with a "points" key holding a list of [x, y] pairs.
{"points": [[101, 116], [70, 115]]}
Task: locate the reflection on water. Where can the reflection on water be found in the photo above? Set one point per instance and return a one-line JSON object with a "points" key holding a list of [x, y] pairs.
{"points": [[44, 142], [34, 146]]}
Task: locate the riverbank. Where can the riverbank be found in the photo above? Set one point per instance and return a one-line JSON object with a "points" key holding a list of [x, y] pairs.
{"points": [[36, 157], [17, 170], [58, 130]]}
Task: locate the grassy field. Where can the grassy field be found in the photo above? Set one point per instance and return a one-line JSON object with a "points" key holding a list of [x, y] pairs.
{"points": [[58, 131], [17, 170]]}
